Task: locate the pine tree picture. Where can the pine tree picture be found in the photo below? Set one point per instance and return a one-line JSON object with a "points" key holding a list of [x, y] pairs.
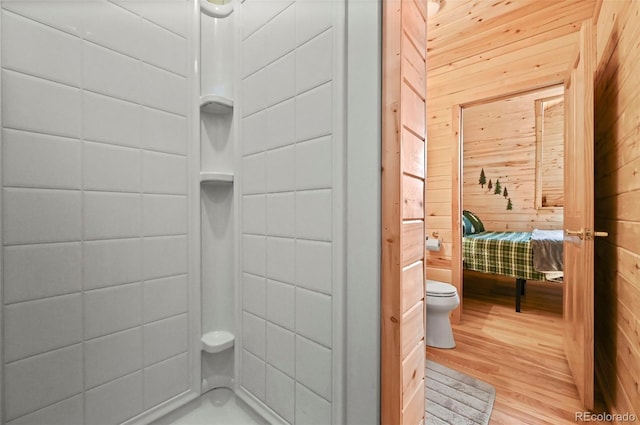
{"points": [[490, 185], [483, 178], [505, 193], [498, 188], [509, 204]]}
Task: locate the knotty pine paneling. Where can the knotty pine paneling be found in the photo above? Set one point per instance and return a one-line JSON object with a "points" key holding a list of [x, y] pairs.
{"points": [[478, 51], [403, 163], [500, 137], [617, 200]]}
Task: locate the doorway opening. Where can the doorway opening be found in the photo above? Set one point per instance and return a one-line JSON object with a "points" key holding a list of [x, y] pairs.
{"points": [[511, 191]]}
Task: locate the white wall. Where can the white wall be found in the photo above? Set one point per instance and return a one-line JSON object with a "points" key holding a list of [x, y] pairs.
{"points": [[291, 142], [94, 209]]}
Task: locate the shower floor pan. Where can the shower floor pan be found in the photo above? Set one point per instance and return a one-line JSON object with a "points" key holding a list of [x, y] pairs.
{"points": [[216, 407]]}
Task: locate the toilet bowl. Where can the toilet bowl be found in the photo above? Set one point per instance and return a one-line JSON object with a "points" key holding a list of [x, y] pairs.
{"points": [[441, 299]]}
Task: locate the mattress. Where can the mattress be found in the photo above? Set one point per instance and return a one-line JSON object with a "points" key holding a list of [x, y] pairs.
{"points": [[503, 253]]}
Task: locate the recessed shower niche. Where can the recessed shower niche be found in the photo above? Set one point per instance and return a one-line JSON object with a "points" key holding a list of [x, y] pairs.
{"points": [[217, 200]]}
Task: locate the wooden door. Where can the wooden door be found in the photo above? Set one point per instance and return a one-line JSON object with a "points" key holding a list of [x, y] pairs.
{"points": [[403, 166], [578, 217]]}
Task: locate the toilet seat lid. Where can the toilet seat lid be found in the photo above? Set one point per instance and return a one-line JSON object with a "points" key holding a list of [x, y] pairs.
{"points": [[440, 289]]}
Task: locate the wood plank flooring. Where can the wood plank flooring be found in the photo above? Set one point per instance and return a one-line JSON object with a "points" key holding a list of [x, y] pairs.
{"points": [[520, 354]]}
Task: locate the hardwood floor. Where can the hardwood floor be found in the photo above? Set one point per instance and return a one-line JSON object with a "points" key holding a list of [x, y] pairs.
{"points": [[520, 354]]}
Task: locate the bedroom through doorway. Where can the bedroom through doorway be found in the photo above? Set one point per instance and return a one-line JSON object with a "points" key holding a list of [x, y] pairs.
{"points": [[512, 196]]}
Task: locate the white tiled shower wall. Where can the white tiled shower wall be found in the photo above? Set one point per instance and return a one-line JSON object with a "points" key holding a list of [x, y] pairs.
{"points": [[289, 133], [94, 207]]}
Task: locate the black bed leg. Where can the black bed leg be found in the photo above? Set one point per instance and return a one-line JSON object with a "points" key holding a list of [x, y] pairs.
{"points": [[519, 290], [524, 286]]}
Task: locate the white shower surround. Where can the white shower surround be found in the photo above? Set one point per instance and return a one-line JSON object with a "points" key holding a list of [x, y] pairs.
{"points": [[360, 313]]}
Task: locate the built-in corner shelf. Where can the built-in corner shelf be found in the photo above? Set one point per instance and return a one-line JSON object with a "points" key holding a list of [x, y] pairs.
{"points": [[217, 8], [217, 341], [215, 177], [214, 104]]}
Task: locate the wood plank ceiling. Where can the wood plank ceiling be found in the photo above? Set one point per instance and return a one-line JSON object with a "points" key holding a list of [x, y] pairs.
{"points": [[465, 29]]}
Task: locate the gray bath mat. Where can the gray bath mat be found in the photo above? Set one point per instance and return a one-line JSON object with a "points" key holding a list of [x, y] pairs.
{"points": [[453, 398]]}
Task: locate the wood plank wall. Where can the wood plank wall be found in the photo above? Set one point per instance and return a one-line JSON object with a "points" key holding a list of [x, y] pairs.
{"points": [[617, 199], [550, 153], [403, 173], [477, 51], [500, 138]]}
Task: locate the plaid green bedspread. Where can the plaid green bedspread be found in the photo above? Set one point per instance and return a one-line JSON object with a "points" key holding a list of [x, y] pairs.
{"points": [[503, 253]]}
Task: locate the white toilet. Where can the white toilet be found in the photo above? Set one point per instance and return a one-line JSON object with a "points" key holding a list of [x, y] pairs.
{"points": [[441, 299]]}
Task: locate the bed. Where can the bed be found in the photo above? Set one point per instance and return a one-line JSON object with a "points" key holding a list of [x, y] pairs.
{"points": [[524, 256]]}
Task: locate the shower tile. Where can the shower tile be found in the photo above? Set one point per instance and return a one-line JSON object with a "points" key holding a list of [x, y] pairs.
{"points": [[313, 366], [280, 169], [116, 401], [66, 412], [253, 174], [40, 105], [312, 18], [112, 262], [254, 128], [280, 124], [254, 54], [314, 316], [253, 334], [165, 256], [314, 62], [254, 294], [254, 254], [40, 50], [165, 297], [165, 380], [253, 214], [254, 93], [164, 173], [67, 19], [112, 309], [112, 215], [59, 271], [314, 168], [313, 214], [281, 349], [34, 327], [280, 32], [32, 216], [164, 215], [281, 79], [164, 132], [281, 259], [111, 26], [164, 90], [311, 408], [281, 304], [107, 72], [111, 120], [314, 112], [171, 15], [163, 48], [314, 265], [281, 394], [256, 13], [165, 338], [24, 390], [253, 375], [112, 356], [39, 160], [111, 168], [280, 214]]}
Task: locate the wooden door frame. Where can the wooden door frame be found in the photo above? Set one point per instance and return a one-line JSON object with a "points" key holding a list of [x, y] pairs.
{"points": [[402, 291]]}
